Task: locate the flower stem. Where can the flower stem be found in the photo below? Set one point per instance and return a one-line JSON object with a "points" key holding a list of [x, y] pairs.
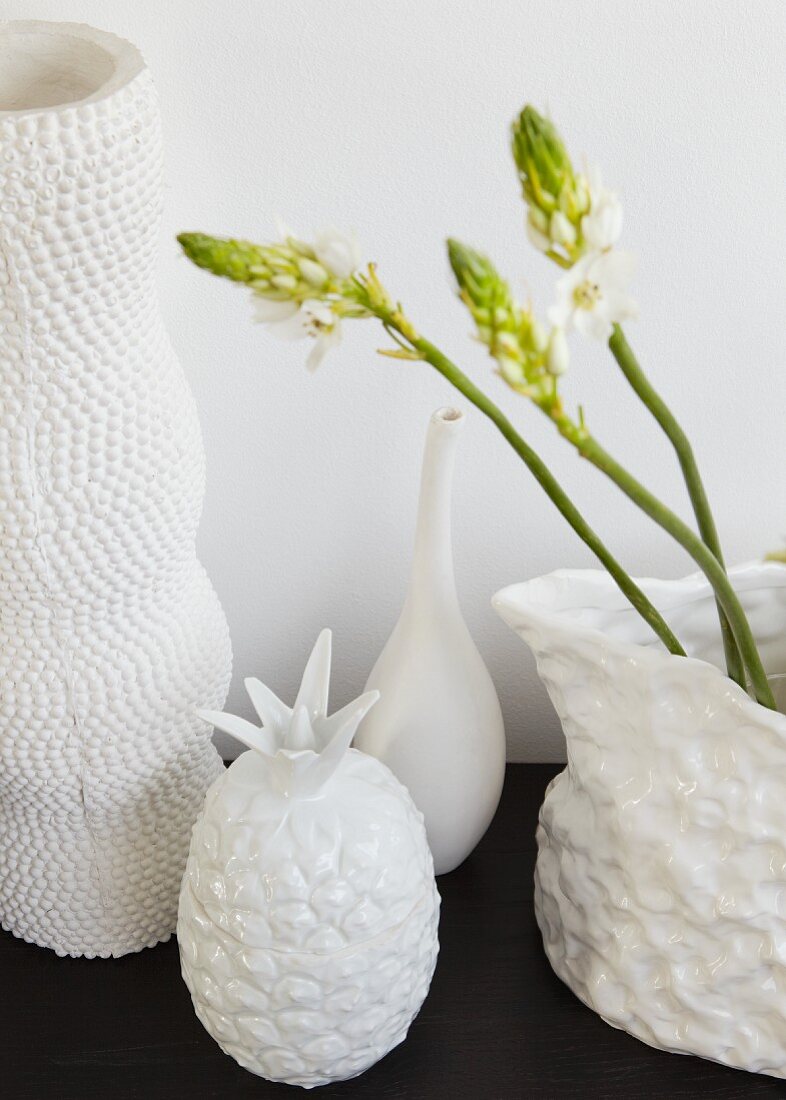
{"points": [[542, 475], [622, 352], [589, 448]]}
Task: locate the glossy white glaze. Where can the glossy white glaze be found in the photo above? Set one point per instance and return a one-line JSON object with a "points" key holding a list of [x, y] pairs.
{"points": [[661, 872], [438, 726], [110, 631], [308, 911]]}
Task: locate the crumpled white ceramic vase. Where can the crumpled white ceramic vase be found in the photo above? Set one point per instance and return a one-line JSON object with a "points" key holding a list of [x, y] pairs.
{"points": [[661, 873], [110, 632]]}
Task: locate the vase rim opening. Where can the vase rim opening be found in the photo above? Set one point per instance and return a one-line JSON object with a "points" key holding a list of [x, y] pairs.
{"points": [[448, 414], [47, 67], [572, 607], [569, 593]]}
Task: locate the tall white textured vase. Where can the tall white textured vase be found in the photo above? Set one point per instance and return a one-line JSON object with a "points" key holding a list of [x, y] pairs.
{"points": [[438, 725], [110, 632]]}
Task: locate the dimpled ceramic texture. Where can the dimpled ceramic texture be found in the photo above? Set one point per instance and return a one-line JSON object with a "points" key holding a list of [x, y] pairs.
{"points": [[661, 871], [110, 633], [308, 911]]}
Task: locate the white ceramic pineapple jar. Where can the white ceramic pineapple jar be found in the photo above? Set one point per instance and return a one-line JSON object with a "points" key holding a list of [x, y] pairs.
{"points": [[308, 910], [110, 633]]}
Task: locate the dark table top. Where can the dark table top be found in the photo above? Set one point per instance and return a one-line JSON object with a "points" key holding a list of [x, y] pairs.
{"points": [[497, 1022]]}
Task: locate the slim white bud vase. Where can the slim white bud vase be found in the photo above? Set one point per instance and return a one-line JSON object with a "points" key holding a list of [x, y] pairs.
{"points": [[438, 725]]}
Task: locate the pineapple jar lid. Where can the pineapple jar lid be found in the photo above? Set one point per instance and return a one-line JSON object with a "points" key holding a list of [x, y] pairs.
{"points": [[316, 875], [316, 848]]}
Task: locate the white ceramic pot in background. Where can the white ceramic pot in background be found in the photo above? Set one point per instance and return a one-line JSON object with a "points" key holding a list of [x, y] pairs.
{"points": [[438, 725], [661, 875], [110, 634]]}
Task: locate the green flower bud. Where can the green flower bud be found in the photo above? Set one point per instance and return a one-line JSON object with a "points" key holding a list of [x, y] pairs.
{"points": [[542, 160], [300, 247], [514, 336], [538, 235], [557, 355], [538, 337], [237, 260], [512, 371], [561, 231], [556, 196], [538, 220], [287, 271], [507, 345], [483, 290], [313, 272]]}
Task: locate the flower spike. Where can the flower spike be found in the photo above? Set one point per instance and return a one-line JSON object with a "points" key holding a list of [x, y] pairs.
{"points": [[569, 214], [557, 197], [527, 356], [300, 290]]}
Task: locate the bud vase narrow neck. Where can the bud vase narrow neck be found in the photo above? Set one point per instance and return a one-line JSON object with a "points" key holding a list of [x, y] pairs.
{"points": [[438, 725], [432, 561]]}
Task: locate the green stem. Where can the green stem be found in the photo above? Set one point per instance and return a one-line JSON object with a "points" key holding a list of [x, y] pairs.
{"points": [[622, 352], [590, 449], [543, 476]]}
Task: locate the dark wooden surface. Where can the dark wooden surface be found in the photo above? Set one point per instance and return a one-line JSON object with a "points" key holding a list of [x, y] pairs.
{"points": [[496, 1025]]}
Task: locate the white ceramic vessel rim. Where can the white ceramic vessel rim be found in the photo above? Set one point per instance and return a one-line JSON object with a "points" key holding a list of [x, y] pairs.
{"points": [[558, 601], [125, 60], [448, 414]]}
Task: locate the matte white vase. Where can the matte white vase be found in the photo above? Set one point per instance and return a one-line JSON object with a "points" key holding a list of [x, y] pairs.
{"points": [[660, 886], [438, 725], [110, 632]]}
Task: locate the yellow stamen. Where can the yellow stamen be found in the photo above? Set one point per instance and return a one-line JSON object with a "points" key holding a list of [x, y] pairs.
{"points": [[587, 295]]}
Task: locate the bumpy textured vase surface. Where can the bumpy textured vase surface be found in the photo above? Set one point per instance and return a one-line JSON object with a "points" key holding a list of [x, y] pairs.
{"points": [[308, 912], [110, 633], [661, 873], [438, 725]]}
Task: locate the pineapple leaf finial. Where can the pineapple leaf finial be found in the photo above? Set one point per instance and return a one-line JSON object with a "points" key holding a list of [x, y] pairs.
{"points": [[301, 742], [315, 685]]}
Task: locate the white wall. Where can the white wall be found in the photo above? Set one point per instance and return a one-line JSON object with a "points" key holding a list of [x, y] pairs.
{"points": [[392, 118]]}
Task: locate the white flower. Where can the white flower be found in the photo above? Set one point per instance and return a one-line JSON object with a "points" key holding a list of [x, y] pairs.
{"points": [[593, 296], [602, 225], [312, 318], [269, 311], [338, 252], [337, 257]]}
